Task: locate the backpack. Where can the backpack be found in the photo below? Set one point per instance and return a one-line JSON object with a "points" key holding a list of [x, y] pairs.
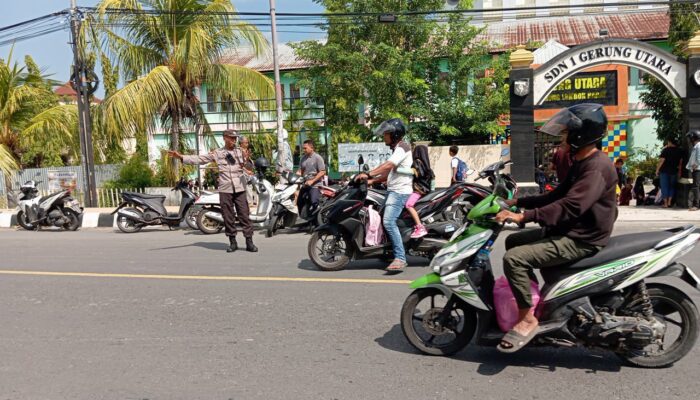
{"points": [[461, 170], [374, 234], [423, 178]]}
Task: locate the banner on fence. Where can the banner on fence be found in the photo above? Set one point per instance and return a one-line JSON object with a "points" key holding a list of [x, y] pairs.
{"points": [[61, 180], [372, 154]]}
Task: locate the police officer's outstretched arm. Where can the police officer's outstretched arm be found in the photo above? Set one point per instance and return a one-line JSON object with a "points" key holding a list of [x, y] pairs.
{"points": [[200, 159]]}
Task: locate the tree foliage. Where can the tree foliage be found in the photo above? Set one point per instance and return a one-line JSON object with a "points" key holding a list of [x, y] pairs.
{"points": [[667, 110], [166, 53], [424, 70]]}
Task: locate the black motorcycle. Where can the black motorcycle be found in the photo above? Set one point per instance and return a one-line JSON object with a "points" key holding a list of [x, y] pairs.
{"points": [[138, 209], [341, 239]]}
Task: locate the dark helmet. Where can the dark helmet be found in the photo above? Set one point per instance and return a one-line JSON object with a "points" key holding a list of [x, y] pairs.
{"points": [[395, 127], [585, 124], [261, 163], [693, 135]]}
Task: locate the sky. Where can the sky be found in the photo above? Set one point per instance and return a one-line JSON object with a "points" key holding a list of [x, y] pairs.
{"points": [[53, 53]]}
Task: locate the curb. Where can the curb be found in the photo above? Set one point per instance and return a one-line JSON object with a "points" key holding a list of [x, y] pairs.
{"points": [[90, 219]]}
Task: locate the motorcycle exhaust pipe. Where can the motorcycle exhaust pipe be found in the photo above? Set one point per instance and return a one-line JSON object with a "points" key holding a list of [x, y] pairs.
{"points": [[216, 216], [130, 214]]}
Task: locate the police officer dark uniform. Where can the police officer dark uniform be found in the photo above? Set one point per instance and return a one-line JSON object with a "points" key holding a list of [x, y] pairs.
{"points": [[232, 187]]}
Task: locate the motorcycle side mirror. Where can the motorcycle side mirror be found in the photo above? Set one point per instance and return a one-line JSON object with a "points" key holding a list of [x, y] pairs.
{"points": [[471, 172], [505, 152], [360, 160], [365, 168]]}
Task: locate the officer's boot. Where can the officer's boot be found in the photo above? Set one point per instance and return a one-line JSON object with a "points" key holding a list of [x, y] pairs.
{"points": [[250, 246], [233, 246]]}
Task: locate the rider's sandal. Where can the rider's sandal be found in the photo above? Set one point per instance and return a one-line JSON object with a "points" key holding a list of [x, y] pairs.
{"points": [[396, 266], [516, 341]]}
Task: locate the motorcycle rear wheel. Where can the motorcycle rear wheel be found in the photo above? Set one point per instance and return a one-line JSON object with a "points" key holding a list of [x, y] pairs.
{"points": [[332, 255], [462, 315], [207, 225], [22, 221], [126, 225], [667, 301], [73, 220]]}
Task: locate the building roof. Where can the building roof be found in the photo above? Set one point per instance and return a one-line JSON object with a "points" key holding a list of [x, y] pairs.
{"points": [[568, 31], [245, 56], [66, 90], [550, 50], [574, 30]]}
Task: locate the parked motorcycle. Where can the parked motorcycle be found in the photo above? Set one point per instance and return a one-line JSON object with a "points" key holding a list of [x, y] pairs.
{"points": [[211, 219], [206, 202], [57, 209], [602, 301], [341, 240], [139, 209]]}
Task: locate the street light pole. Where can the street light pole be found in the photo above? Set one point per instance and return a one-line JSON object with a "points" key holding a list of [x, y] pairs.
{"points": [[79, 79], [278, 90]]}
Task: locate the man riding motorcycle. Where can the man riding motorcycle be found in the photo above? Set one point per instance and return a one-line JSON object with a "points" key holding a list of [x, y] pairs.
{"points": [[576, 218], [399, 186]]}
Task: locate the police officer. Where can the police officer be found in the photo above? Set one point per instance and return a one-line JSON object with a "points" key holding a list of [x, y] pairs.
{"points": [[232, 184]]}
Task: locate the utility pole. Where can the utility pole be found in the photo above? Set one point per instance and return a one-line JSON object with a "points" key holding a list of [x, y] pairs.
{"points": [[278, 90], [80, 78]]}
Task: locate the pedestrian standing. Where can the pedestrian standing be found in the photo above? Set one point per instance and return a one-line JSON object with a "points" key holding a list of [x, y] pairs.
{"points": [[668, 170], [694, 167], [620, 169], [232, 181], [458, 168]]}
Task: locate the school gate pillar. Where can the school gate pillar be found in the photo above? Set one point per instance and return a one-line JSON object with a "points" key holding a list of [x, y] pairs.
{"points": [[522, 116]]}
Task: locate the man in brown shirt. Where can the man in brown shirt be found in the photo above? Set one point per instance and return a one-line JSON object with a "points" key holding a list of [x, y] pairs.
{"points": [[577, 217], [232, 187]]}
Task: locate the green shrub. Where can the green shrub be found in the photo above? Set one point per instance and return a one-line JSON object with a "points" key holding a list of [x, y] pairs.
{"points": [[134, 174]]}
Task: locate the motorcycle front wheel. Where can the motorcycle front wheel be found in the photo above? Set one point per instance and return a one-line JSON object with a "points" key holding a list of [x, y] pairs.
{"points": [[328, 251], [680, 316], [207, 225], [420, 323], [128, 225], [73, 220], [275, 223], [23, 222], [191, 216]]}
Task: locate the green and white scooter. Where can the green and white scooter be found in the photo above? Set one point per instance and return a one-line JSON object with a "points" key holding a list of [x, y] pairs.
{"points": [[601, 301]]}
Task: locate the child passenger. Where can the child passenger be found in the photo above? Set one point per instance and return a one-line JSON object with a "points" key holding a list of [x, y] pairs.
{"points": [[422, 184]]}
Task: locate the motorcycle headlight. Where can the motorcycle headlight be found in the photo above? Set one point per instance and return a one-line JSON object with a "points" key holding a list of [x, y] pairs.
{"points": [[439, 260]]}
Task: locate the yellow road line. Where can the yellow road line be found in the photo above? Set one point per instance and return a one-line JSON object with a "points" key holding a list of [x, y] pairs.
{"points": [[206, 277]]}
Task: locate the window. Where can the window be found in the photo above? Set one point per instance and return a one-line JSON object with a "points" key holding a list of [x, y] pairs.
{"points": [[211, 100], [294, 91], [642, 77]]}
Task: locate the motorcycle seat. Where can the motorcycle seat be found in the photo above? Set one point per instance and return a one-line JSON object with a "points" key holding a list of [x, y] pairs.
{"points": [[430, 196], [619, 247], [144, 195]]}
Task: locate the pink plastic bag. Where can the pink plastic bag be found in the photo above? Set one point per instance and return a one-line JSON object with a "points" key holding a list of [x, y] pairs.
{"points": [[505, 305]]}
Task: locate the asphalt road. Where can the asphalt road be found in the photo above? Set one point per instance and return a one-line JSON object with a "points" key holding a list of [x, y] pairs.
{"points": [[135, 334]]}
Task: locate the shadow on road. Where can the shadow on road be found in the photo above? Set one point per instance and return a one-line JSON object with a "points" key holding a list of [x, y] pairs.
{"points": [[417, 262], [492, 362], [205, 245]]}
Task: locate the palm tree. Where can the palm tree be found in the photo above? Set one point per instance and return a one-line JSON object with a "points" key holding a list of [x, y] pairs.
{"points": [[166, 49], [24, 93]]}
